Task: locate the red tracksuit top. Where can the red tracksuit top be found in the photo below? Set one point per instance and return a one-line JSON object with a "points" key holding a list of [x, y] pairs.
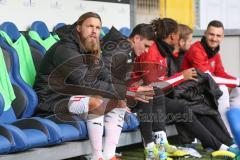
{"points": [[154, 66], [197, 57]]}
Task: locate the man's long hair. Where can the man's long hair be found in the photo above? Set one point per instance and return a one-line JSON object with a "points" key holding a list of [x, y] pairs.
{"points": [[81, 19], [164, 27]]}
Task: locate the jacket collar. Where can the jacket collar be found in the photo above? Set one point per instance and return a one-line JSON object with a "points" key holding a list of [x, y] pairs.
{"points": [[164, 48], [210, 52]]}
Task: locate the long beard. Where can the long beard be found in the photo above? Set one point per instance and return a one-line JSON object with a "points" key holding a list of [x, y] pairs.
{"points": [[92, 46]]}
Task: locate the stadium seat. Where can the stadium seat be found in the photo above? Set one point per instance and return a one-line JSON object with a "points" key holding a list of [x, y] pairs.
{"points": [[59, 25], [1, 104], [40, 37], [29, 133], [10, 41], [73, 130], [6, 140], [125, 31], [233, 115], [104, 31], [18, 129]]}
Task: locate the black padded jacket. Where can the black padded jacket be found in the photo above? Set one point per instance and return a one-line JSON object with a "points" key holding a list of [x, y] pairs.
{"points": [[65, 71]]}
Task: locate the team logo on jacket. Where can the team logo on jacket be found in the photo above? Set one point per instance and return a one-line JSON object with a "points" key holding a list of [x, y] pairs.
{"points": [[163, 62], [161, 78], [212, 64]]}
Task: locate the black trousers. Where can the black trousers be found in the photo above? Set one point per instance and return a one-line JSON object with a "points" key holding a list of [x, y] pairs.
{"points": [[154, 115]]}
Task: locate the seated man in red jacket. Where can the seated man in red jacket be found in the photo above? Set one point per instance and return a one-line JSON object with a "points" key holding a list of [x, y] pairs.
{"points": [[184, 43], [204, 55]]}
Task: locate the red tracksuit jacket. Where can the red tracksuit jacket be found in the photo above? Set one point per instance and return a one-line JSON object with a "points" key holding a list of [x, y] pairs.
{"points": [[197, 57], [153, 67]]}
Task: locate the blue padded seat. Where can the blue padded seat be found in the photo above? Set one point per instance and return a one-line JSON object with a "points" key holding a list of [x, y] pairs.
{"points": [[6, 140], [15, 75], [52, 127], [69, 132], [125, 31], [21, 139], [1, 104], [20, 129], [42, 39], [55, 35], [5, 145], [105, 29], [56, 131], [40, 140], [233, 115], [10, 30], [71, 129], [57, 26], [41, 28]]}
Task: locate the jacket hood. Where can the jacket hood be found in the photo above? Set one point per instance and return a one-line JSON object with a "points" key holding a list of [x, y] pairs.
{"points": [[114, 43], [113, 35], [68, 33]]}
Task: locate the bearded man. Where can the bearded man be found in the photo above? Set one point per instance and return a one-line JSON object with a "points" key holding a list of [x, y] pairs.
{"points": [[71, 76]]}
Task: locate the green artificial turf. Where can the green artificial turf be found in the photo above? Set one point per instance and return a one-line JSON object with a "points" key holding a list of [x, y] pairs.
{"points": [[135, 152]]}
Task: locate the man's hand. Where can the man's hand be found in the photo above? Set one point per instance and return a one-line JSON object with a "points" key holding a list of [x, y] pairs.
{"points": [[144, 93], [190, 74]]}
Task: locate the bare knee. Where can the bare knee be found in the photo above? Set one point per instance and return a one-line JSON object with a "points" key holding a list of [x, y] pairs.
{"points": [[95, 101], [95, 105]]}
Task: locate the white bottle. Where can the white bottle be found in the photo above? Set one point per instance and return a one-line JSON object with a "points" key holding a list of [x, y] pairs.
{"points": [[162, 151]]}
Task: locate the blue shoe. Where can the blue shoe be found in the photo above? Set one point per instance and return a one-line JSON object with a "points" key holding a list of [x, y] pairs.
{"points": [[208, 150]]}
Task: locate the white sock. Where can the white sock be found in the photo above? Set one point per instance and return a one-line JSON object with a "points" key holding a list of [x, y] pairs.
{"points": [[95, 133], [149, 145], [113, 127], [160, 134], [223, 147], [233, 146]]}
